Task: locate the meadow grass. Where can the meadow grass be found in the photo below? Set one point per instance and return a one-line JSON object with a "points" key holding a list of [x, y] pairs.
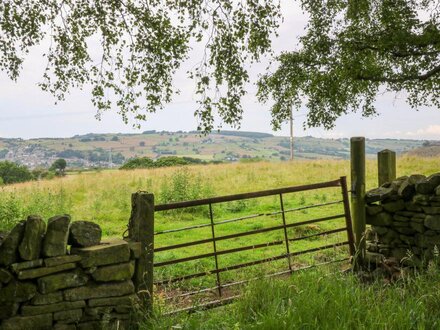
{"points": [[319, 299]]}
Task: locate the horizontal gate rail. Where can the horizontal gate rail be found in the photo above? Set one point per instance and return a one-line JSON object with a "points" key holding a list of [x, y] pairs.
{"points": [[231, 198], [250, 263], [247, 217], [247, 233], [244, 248]]}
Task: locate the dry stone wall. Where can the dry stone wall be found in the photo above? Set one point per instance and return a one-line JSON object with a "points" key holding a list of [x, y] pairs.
{"points": [[61, 275], [405, 220]]}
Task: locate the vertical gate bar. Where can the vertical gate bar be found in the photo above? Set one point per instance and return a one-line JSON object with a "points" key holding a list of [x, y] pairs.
{"points": [[215, 250], [285, 232], [347, 215]]}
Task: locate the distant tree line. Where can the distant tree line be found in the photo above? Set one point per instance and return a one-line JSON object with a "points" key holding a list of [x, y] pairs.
{"points": [[11, 172], [96, 155], [145, 162]]}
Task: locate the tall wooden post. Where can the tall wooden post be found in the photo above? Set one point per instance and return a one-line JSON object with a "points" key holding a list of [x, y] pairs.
{"points": [[141, 229], [386, 166], [357, 146]]}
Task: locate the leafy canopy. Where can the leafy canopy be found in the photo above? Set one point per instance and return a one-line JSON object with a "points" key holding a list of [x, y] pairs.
{"points": [[129, 50]]}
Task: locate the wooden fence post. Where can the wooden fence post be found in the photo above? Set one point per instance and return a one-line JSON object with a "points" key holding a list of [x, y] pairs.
{"points": [[357, 154], [386, 166], [141, 229]]}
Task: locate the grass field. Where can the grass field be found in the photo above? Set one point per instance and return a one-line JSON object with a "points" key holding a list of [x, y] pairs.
{"points": [[104, 197]]}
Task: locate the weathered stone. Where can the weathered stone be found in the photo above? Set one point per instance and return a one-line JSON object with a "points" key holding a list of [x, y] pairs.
{"points": [[37, 322], [419, 227], [68, 316], [374, 258], [47, 299], [55, 261], [135, 249], [17, 292], [60, 281], [431, 210], [119, 272], [28, 310], [389, 237], [84, 234], [115, 301], [64, 326], [430, 232], [99, 291], [421, 199], [43, 271], [405, 230], [408, 240], [26, 265], [410, 206], [435, 204], [424, 187], [93, 325], [378, 194], [401, 224], [8, 310], [9, 246], [98, 311], [30, 246], [380, 219], [407, 214], [400, 218], [406, 190], [418, 218], [432, 222], [380, 230], [434, 198], [437, 190], [394, 206], [109, 252], [55, 241], [5, 276], [123, 309], [424, 241], [416, 178]]}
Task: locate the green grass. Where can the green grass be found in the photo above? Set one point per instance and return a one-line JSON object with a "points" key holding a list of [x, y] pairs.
{"points": [[317, 299]]}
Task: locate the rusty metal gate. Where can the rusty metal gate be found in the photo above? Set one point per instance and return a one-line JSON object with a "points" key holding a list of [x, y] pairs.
{"points": [[220, 293]]}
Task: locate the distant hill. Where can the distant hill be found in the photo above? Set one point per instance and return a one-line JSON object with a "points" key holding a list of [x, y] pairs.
{"points": [[428, 149], [112, 150]]}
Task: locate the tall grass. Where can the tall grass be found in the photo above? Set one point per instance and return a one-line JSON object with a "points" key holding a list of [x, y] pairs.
{"points": [[316, 300]]}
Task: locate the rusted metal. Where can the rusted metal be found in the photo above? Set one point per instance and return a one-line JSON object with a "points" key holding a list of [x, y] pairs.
{"points": [[346, 202], [247, 264], [244, 248], [285, 232], [215, 251], [230, 198], [247, 233], [247, 217]]}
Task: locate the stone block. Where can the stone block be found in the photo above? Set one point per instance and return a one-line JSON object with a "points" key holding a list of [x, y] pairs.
{"points": [[9, 246], [55, 261], [135, 249], [431, 210], [28, 310], [8, 310], [52, 283], [91, 291], [84, 234], [378, 194], [418, 227], [432, 222], [128, 300], [30, 246], [380, 230], [17, 291], [405, 230], [37, 322], [394, 206], [5, 276], [64, 326], [406, 190], [43, 271], [47, 299], [26, 265], [400, 253], [109, 252], [374, 209], [380, 219], [118, 272], [412, 207], [68, 316], [437, 190], [55, 241], [400, 218], [421, 199]]}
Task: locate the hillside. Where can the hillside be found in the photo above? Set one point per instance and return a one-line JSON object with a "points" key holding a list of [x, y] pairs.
{"points": [[111, 150], [428, 149]]}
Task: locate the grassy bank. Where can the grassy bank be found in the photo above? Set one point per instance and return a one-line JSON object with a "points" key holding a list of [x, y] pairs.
{"points": [[315, 299]]}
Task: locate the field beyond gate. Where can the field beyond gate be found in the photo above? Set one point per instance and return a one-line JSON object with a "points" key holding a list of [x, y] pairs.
{"points": [[206, 270]]}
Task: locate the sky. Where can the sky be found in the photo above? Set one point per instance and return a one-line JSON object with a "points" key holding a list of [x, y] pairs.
{"points": [[27, 112]]}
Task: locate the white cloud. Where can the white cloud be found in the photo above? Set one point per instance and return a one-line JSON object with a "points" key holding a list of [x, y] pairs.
{"points": [[432, 131]]}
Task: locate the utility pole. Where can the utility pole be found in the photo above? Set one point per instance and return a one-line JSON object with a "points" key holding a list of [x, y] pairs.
{"points": [[291, 133]]}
